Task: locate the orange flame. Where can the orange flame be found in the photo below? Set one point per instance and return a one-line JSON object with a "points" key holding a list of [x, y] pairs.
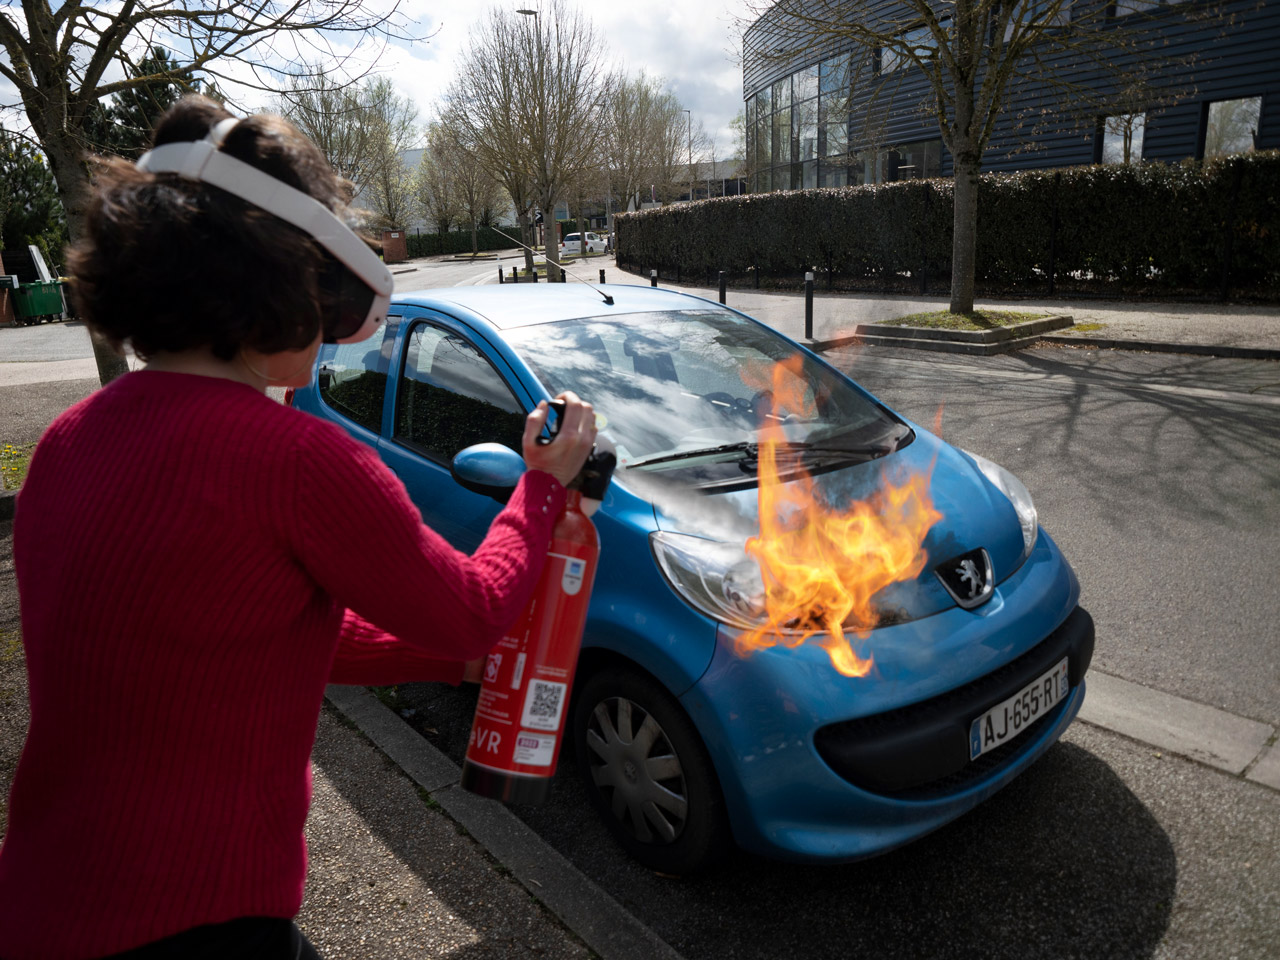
{"points": [[822, 566]]}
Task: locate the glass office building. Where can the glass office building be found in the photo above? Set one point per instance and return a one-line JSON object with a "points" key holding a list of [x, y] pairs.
{"points": [[860, 116]]}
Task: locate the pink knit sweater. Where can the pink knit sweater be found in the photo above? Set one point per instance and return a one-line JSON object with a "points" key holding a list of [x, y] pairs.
{"points": [[195, 562]]}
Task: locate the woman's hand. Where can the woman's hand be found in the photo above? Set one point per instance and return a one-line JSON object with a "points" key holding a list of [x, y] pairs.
{"points": [[564, 456], [473, 670]]}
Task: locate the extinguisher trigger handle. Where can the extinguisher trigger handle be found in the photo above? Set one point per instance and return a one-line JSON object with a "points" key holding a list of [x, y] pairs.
{"points": [[553, 426]]}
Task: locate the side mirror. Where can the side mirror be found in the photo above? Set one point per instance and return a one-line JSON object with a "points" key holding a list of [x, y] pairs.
{"points": [[489, 469]]}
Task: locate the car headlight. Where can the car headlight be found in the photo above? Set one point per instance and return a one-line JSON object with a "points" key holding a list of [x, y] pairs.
{"points": [[1012, 488], [716, 578]]}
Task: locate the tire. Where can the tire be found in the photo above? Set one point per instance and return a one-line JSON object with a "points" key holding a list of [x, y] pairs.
{"points": [[648, 773]]}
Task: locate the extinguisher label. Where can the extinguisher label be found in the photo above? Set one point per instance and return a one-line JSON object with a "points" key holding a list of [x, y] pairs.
{"points": [[535, 749], [543, 704], [571, 579]]}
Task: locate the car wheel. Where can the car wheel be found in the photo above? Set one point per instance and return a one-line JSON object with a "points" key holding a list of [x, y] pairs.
{"points": [[648, 773]]}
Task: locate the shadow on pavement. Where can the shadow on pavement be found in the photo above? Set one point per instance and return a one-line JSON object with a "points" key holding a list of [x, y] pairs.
{"points": [[1065, 862]]}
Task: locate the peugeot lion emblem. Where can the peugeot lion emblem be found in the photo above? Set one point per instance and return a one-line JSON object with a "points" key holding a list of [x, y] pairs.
{"points": [[968, 578]]}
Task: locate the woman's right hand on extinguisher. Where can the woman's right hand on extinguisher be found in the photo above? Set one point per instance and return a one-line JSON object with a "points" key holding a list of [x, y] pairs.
{"points": [[564, 456]]}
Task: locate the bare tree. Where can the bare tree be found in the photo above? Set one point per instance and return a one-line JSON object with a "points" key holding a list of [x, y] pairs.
{"points": [[63, 62], [475, 190], [435, 191], [329, 111], [528, 101], [384, 182], [971, 54]]}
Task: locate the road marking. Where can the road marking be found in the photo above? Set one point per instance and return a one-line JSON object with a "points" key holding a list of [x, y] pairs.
{"points": [[1180, 726], [1059, 379]]}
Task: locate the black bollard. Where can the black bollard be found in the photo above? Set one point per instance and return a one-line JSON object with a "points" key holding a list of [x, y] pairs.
{"points": [[602, 276], [535, 274], [808, 305], [722, 291], [500, 280], [653, 278], [564, 275]]}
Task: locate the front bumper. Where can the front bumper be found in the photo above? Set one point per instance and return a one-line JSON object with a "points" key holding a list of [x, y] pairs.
{"points": [[922, 750]]}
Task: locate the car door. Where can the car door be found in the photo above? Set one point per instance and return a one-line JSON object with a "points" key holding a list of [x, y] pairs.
{"points": [[449, 394]]}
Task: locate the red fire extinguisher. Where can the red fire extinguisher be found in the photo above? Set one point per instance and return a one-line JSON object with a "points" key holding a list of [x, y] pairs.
{"points": [[519, 722]]}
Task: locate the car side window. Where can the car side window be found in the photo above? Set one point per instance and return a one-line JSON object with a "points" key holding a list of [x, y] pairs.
{"points": [[451, 397], [352, 377]]}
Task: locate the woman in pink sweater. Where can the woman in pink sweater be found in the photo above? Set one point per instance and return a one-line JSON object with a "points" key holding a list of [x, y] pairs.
{"points": [[196, 561]]}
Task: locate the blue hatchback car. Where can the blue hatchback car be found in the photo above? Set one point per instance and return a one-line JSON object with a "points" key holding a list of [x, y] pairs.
{"points": [[688, 744]]}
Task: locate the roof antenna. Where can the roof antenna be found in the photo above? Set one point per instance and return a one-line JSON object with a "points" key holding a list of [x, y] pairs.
{"points": [[607, 299]]}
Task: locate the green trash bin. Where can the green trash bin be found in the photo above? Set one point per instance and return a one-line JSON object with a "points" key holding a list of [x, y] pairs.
{"points": [[33, 302]]}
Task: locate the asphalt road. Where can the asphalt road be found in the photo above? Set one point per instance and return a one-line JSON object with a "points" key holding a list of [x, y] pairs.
{"points": [[1165, 500]]}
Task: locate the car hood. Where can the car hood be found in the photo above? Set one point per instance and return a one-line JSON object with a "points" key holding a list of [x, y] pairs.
{"points": [[974, 514]]}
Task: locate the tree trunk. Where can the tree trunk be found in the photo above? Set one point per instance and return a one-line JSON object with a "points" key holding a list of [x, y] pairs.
{"points": [[551, 239], [964, 232], [582, 232], [475, 246], [67, 164], [526, 238]]}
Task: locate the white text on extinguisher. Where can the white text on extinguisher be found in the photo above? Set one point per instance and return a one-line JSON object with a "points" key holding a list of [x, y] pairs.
{"points": [[484, 740]]}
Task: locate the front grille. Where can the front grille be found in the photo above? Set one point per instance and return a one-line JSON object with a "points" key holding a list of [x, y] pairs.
{"points": [[922, 750]]}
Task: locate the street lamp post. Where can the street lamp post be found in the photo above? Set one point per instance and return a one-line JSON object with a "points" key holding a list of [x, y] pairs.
{"points": [[548, 216], [689, 118]]}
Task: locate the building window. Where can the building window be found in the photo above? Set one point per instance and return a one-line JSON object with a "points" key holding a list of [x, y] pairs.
{"points": [[782, 136], [805, 117], [764, 103], [920, 40], [1122, 138], [837, 139], [782, 94], [805, 84], [832, 173], [1232, 126], [809, 174], [833, 76], [911, 161]]}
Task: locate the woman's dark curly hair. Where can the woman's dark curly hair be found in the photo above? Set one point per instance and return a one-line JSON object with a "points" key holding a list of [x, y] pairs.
{"points": [[170, 264]]}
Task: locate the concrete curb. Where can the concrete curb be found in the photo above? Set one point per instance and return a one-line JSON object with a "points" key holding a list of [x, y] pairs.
{"points": [[581, 905], [1102, 343], [1233, 744], [1014, 331], [1156, 346]]}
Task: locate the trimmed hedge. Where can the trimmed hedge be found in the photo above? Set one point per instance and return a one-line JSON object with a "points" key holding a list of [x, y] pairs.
{"points": [[459, 241], [1190, 229]]}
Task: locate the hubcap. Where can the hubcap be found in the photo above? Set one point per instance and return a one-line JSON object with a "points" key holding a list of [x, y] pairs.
{"points": [[635, 767]]}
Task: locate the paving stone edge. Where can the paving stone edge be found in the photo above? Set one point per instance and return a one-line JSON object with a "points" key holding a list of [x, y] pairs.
{"points": [[586, 909]]}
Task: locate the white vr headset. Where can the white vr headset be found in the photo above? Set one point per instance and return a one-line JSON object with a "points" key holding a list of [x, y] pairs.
{"points": [[364, 288]]}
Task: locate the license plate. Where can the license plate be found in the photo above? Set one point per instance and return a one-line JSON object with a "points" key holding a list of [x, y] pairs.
{"points": [[1006, 720]]}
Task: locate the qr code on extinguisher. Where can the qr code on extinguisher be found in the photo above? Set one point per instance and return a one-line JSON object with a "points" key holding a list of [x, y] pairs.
{"points": [[543, 703]]}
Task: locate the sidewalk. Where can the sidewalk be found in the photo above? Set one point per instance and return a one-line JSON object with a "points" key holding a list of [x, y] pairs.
{"points": [[1197, 326]]}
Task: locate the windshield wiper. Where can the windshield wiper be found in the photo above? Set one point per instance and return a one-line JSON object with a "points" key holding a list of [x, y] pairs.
{"points": [[750, 450], [748, 447]]}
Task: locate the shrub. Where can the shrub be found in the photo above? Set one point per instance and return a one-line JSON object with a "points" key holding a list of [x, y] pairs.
{"points": [[1186, 229], [459, 241]]}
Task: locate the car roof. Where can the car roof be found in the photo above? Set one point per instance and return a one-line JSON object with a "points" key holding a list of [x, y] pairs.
{"points": [[512, 305]]}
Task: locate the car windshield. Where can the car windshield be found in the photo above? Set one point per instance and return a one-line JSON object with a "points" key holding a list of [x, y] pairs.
{"points": [[685, 394]]}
